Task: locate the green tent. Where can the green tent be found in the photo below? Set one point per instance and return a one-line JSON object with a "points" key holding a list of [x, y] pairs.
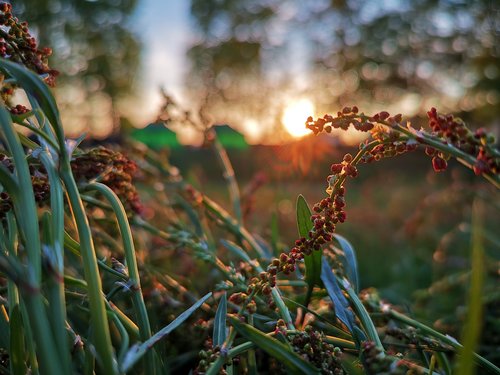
{"points": [[230, 138], [156, 136]]}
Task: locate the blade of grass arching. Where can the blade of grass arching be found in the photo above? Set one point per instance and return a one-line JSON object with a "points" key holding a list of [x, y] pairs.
{"points": [[219, 332], [98, 318], [341, 304], [55, 241], [24, 196], [483, 362], [74, 247], [295, 363], [27, 216], [192, 215], [313, 261], [364, 318], [55, 294], [331, 327], [124, 339], [234, 191], [38, 94], [136, 352], [472, 327], [11, 242], [133, 270], [349, 261], [17, 351], [233, 226]]}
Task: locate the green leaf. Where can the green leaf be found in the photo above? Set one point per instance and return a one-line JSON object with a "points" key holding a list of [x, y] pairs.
{"points": [[349, 261], [352, 366], [313, 261], [38, 93], [276, 349], [137, 351], [339, 300], [472, 328], [4, 328], [219, 334], [236, 250], [17, 347]]}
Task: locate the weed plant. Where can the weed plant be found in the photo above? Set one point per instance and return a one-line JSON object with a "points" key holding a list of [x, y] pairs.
{"points": [[94, 281]]}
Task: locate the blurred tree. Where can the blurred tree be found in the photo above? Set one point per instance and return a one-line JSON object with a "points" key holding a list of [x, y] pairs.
{"points": [[95, 52], [412, 54]]}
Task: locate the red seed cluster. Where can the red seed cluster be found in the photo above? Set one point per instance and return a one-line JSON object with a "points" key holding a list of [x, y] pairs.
{"points": [[39, 181], [113, 169], [327, 213], [19, 110], [479, 143], [386, 140], [18, 45]]}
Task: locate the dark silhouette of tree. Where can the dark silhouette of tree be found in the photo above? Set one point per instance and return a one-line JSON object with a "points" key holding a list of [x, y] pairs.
{"points": [[94, 50]]}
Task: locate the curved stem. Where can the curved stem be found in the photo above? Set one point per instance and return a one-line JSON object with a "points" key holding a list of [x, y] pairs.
{"points": [[133, 270], [98, 316]]}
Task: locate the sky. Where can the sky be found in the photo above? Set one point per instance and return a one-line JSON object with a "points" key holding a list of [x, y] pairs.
{"points": [[166, 33]]}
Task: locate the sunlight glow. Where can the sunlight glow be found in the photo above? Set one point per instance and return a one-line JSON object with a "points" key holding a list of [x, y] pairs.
{"points": [[295, 115]]}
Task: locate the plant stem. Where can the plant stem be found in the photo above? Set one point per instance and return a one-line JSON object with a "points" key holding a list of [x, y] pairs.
{"points": [[133, 270], [234, 191], [444, 338], [96, 301], [364, 317]]}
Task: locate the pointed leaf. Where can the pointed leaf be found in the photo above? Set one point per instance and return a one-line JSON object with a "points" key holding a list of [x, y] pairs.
{"points": [[17, 348], [276, 349], [38, 93], [137, 351], [339, 300], [349, 261], [219, 335], [313, 261]]}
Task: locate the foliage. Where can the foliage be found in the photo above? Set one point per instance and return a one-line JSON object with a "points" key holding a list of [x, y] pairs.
{"points": [[93, 280]]}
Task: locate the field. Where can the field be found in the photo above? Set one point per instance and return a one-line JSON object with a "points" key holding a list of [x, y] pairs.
{"points": [[308, 257]]}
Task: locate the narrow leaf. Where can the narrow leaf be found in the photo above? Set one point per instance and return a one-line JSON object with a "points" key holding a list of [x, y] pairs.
{"points": [[38, 93], [313, 261], [472, 328], [219, 335], [349, 261], [17, 347], [335, 293], [137, 351], [276, 349]]}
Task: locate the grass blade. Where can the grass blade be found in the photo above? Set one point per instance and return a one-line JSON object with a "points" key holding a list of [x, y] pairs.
{"points": [[219, 335], [472, 328], [38, 93], [349, 261], [313, 261], [278, 350], [339, 301], [136, 352], [17, 347]]}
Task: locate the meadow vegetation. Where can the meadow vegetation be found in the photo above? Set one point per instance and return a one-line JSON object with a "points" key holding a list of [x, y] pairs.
{"points": [[111, 262]]}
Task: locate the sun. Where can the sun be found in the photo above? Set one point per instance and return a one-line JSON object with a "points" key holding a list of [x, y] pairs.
{"points": [[295, 115]]}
